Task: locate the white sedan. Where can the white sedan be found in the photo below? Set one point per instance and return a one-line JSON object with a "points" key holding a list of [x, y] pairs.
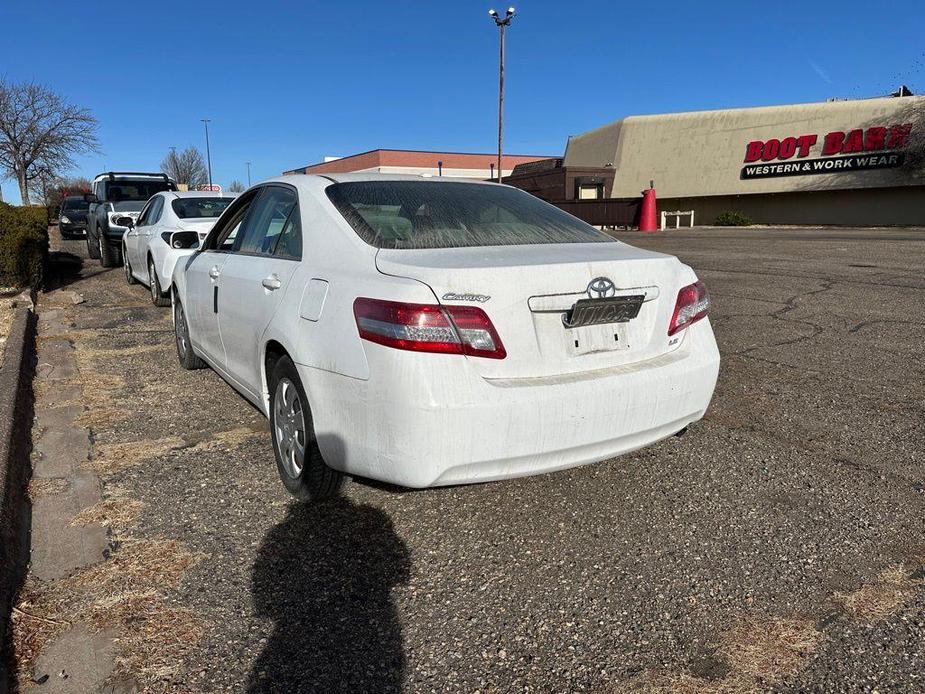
{"points": [[148, 253], [426, 332]]}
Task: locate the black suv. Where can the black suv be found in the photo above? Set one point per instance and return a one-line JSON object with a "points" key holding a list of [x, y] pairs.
{"points": [[118, 194], [72, 219]]}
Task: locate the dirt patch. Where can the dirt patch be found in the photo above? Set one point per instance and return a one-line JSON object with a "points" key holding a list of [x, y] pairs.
{"points": [[881, 598]]}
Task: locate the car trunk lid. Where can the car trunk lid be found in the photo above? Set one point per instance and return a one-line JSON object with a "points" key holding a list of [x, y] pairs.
{"points": [[530, 295]]}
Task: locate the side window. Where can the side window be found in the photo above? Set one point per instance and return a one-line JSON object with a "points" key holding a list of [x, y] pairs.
{"points": [[157, 207], [145, 214], [228, 230], [266, 221], [290, 241]]}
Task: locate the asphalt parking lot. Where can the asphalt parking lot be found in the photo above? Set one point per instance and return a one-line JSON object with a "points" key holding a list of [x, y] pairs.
{"points": [[778, 545]]}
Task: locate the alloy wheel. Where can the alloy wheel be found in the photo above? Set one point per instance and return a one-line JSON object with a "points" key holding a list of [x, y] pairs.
{"points": [[289, 427], [181, 329], [152, 282]]}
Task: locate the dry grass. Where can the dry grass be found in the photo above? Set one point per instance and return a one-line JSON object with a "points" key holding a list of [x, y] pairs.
{"points": [[883, 597], [116, 514], [111, 458], [154, 636], [770, 648], [46, 486], [651, 682], [758, 651], [122, 592], [6, 322]]}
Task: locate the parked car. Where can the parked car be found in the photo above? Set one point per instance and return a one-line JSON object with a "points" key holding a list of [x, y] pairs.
{"points": [[72, 217], [152, 245], [118, 194], [429, 332]]}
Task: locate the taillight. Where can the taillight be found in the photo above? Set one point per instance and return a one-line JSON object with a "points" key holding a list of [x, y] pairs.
{"points": [[692, 305], [428, 328]]}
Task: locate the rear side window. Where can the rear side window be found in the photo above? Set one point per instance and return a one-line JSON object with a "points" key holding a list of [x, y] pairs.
{"points": [[437, 214], [200, 208]]}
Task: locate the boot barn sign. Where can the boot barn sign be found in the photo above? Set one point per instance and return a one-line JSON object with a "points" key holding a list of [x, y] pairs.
{"points": [[863, 149]]}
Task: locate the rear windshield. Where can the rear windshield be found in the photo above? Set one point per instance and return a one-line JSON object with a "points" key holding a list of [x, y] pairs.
{"points": [[78, 204], [196, 208], [432, 214], [135, 191]]}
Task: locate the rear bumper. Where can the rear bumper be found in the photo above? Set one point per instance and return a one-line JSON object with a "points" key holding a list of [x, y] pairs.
{"points": [[427, 420]]}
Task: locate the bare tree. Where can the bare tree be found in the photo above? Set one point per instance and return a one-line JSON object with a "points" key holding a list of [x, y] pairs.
{"points": [[187, 167], [60, 188], [236, 186], [40, 133]]}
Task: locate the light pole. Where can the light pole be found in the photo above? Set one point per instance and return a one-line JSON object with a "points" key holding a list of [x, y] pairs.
{"points": [[501, 23], [248, 174], [205, 122]]}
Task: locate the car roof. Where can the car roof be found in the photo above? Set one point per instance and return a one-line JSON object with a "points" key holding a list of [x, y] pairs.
{"points": [[295, 179], [199, 194]]}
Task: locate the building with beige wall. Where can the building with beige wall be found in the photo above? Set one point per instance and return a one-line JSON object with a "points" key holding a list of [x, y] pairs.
{"points": [[836, 162]]}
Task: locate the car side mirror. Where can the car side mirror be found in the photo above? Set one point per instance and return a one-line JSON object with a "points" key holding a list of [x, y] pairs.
{"points": [[91, 198], [184, 239], [125, 222]]}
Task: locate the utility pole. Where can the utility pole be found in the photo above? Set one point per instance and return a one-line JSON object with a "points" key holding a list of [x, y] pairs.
{"points": [[248, 174], [502, 24], [205, 122]]}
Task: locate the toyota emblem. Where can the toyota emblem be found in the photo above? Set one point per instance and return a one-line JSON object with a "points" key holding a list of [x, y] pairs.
{"points": [[601, 288]]}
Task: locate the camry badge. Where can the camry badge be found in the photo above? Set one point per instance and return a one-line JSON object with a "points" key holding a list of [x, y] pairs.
{"points": [[601, 288], [452, 296]]}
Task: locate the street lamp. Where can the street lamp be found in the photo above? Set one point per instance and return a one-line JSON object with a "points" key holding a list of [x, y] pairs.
{"points": [[501, 23], [205, 122], [248, 174]]}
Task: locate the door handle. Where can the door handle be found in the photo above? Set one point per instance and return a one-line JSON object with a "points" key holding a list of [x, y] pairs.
{"points": [[214, 272], [272, 283]]}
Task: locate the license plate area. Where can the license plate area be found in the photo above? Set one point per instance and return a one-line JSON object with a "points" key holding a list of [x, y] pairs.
{"points": [[596, 338], [616, 309]]}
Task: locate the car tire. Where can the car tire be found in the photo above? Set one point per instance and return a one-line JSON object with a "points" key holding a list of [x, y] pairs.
{"points": [[185, 353], [127, 268], [93, 249], [154, 284], [301, 467], [107, 257]]}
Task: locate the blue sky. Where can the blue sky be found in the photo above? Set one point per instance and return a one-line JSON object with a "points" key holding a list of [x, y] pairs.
{"points": [[286, 83]]}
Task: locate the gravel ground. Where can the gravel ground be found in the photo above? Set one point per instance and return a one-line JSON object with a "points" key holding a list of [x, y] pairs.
{"points": [[778, 545]]}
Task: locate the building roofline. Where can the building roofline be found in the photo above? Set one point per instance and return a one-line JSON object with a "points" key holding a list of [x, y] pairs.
{"points": [[419, 151]]}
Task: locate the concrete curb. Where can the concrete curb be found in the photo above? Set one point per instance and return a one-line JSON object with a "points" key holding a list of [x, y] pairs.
{"points": [[15, 440]]}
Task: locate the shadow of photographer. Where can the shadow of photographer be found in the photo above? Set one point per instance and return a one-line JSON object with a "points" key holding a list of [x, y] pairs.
{"points": [[324, 576]]}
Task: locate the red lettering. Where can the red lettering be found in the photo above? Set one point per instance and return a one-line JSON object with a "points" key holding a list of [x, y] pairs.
{"points": [[874, 139], [788, 147], [833, 142], [753, 150], [805, 142], [770, 149], [898, 136], [854, 142]]}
